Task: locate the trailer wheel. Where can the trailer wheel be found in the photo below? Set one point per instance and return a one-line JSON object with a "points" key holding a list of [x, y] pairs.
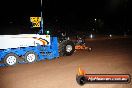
{"points": [[67, 48], [10, 59], [30, 57], [81, 80]]}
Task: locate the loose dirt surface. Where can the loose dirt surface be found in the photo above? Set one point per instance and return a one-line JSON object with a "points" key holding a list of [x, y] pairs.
{"points": [[113, 56]]}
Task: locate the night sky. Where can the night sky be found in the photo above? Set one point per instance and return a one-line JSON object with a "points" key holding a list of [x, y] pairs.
{"points": [[70, 15]]}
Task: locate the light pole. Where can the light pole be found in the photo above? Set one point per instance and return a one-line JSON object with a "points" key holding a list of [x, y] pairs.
{"points": [[95, 28], [41, 18]]}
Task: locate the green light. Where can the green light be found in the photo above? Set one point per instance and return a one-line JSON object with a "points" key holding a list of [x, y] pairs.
{"points": [[47, 32]]}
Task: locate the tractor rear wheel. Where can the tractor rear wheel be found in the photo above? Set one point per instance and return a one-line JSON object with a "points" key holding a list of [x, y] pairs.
{"points": [[66, 48]]}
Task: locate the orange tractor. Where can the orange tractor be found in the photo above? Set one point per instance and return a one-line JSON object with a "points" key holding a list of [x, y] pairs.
{"points": [[80, 45]]}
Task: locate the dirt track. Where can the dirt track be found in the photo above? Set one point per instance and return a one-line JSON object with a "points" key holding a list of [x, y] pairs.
{"points": [[108, 56]]}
